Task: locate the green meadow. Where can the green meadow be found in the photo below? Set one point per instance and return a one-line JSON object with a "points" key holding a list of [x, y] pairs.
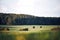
{"points": [[43, 35]]}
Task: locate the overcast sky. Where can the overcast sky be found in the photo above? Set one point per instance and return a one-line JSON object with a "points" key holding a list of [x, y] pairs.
{"points": [[47, 8]]}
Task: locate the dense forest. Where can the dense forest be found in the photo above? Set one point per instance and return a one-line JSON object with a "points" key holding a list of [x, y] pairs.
{"points": [[22, 19]]}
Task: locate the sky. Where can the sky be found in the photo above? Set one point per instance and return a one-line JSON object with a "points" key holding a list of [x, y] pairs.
{"points": [[45, 8]]}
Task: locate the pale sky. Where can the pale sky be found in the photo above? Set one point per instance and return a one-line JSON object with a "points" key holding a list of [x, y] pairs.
{"points": [[46, 8]]}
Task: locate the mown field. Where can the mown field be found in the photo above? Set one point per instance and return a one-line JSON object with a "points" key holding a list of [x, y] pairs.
{"points": [[43, 35]]}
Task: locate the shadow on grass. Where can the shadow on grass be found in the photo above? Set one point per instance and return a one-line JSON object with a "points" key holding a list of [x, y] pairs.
{"points": [[6, 36], [54, 35], [43, 35]]}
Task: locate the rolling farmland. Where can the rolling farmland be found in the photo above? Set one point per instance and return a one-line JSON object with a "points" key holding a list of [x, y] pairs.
{"points": [[28, 27]]}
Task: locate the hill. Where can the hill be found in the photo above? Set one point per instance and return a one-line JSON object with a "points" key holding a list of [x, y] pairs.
{"points": [[23, 19]]}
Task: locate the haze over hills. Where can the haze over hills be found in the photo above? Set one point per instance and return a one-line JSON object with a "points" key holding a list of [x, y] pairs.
{"points": [[23, 19]]}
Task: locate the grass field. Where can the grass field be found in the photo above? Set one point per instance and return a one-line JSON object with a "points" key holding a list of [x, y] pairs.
{"points": [[43, 35]]}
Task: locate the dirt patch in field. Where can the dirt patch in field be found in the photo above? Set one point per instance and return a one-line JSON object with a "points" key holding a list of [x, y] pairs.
{"points": [[20, 37]]}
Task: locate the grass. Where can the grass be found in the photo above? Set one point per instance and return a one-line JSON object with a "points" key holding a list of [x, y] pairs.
{"points": [[43, 35], [6, 36]]}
